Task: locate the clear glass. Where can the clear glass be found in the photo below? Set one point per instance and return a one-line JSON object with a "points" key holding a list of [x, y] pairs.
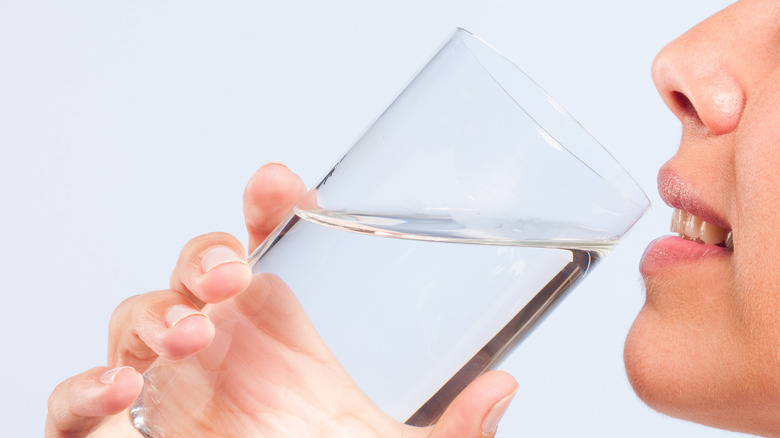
{"points": [[433, 246]]}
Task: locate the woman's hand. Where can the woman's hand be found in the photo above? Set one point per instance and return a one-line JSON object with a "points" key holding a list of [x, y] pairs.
{"points": [[283, 380]]}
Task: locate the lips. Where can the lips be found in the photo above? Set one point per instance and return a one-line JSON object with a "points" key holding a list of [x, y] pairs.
{"points": [[702, 232], [680, 194]]}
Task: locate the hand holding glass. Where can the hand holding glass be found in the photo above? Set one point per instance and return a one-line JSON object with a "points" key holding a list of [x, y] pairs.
{"points": [[470, 206]]}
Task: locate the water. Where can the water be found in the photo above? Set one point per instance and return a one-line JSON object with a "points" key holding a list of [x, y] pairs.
{"points": [[416, 308]]}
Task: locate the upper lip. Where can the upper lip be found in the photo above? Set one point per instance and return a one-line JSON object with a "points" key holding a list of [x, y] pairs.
{"points": [[678, 193]]}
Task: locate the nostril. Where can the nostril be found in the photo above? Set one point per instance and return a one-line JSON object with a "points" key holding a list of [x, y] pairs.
{"points": [[684, 106]]}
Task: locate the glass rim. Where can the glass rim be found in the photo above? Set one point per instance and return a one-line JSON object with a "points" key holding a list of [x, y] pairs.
{"points": [[637, 194]]}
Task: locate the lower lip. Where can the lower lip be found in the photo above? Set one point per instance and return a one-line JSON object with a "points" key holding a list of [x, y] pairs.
{"points": [[673, 251]]}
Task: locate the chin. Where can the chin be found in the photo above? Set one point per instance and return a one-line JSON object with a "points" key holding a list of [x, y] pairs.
{"points": [[679, 370], [652, 366]]}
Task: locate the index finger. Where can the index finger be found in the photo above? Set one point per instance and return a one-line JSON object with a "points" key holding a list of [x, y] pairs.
{"points": [[211, 268]]}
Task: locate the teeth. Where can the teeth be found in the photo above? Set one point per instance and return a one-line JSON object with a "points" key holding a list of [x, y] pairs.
{"points": [[678, 219], [712, 234], [691, 227]]}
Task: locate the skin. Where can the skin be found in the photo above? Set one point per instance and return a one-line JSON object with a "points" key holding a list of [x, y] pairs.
{"points": [[282, 379], [706, 345]]}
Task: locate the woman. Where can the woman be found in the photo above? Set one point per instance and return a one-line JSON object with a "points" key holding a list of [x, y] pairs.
{"points": [[703, 347]]}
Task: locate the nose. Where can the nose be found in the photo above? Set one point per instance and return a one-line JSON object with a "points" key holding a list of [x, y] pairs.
{"points": [[697, 77]]}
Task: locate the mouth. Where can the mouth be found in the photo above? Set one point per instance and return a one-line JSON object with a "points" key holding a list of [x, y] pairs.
{"points": [[697, 240], [691, 227], [703, 232]]}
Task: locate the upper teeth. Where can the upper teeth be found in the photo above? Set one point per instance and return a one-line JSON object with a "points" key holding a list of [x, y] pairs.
{"points": [[693, 228]]}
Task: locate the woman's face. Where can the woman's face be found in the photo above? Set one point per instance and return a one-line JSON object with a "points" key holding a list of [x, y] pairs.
{"points": [[706, 344]]}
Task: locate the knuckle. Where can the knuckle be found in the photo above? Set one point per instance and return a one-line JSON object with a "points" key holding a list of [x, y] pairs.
{"points": [[199, 243], [53, 401], [120, 315]]}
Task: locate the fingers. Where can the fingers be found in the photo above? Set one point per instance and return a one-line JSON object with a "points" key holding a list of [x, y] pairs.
{"points": [[79, 403], [163, 323], [169, 324], [475, 412], [211, 268], [269, 196]]}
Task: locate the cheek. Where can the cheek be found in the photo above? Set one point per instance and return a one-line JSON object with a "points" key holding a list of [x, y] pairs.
{"points": [[756, 191], [756, 207]]}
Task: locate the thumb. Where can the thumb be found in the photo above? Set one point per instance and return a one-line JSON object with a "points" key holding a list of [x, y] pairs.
{"points": [[475, 412]]}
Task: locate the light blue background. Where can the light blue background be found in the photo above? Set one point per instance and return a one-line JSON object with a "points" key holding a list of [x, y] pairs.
{"points": [[129, 127]]}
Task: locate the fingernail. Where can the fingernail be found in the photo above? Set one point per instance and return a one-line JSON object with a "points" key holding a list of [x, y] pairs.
{"points": [[273, 163], [490, 423], [218, 256], [108, 377], [178, 312]]}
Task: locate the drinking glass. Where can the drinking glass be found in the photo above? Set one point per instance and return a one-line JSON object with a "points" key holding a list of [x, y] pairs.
{"points": [[463, 214]]}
